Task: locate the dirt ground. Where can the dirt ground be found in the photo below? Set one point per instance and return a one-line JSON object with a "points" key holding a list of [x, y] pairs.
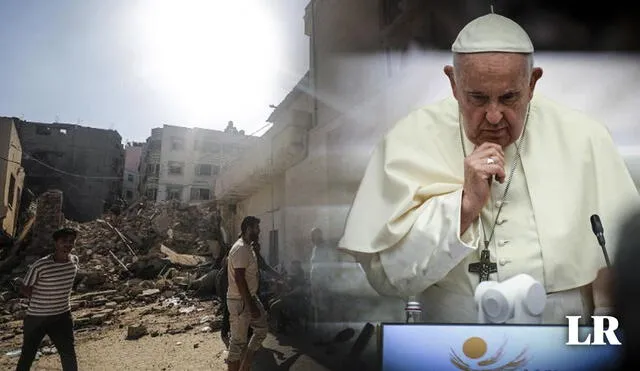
{"points": [[109, 351], [176, 341]]}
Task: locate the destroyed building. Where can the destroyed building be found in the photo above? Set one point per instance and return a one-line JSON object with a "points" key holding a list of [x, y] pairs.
{"points": [[86, 164]]}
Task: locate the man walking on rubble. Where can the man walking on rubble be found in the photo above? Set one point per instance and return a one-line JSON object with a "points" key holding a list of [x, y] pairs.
{"points": [[245, 308], [48, 285], [222, 285]]}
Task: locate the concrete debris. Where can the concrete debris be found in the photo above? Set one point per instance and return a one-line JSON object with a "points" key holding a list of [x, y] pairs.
{"points": [[49, 218], [162, 255], [187, 310], [49, 350], [14, 353], [135, 332], [150, 292], [184, 260]]}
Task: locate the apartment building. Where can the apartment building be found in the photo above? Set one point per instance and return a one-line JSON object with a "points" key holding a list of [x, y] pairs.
{"points": [[180, 163]]}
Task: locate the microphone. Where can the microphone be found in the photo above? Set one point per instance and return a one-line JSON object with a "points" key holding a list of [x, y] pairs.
{"points": [[598, 230]]}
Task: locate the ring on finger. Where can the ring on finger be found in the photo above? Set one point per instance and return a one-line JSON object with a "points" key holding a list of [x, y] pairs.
{"points": [[490, 161]]}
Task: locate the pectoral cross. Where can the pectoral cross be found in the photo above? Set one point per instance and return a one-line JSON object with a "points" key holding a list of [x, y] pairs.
{"points": [[484, 267]]}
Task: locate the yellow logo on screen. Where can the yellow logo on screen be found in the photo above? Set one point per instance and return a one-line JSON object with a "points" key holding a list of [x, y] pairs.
{"points": [[475, 348]]}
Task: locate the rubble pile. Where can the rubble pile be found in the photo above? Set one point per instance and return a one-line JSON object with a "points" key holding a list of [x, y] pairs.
{"points": [[146, 242], [148, 253]]}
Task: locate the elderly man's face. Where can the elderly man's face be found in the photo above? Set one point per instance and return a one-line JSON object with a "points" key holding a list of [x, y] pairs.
{"points": [[493, 91]]}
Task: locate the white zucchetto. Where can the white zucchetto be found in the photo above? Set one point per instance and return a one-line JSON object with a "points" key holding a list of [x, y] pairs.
{"points": [[492, 33]]}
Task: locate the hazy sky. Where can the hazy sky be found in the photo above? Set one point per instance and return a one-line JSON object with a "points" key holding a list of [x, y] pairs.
{"points": [[131, 65]]}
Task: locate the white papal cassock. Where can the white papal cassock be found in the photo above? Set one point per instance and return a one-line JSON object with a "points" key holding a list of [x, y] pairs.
{"points": [[404, 224]]}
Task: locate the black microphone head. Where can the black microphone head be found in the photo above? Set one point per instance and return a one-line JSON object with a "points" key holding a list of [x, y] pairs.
{"points": [[596, 225]]}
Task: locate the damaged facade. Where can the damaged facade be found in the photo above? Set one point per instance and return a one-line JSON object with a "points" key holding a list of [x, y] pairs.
{"points": [[256, 182], [180, 163], [131, 176], [86, 164], [11, 177]]}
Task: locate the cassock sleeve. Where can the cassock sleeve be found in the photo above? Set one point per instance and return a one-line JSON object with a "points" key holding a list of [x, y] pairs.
{"points": [[404, 223], [617, 194], [431, 249]]}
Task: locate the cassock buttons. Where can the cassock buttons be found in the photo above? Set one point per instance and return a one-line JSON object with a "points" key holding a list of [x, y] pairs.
{"points": [[503, 242], [498, 203], [503, 262], [501, 221]]}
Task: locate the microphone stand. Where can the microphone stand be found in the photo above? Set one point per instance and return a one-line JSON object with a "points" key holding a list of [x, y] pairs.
{"points": [[598, 230], [606, 256]]}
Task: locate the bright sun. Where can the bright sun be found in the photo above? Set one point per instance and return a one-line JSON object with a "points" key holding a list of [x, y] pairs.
{"points": [[213, 59]]}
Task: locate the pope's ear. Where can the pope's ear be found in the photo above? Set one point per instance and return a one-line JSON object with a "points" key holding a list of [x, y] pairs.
{"points": [[448, 70], [536, 74]]}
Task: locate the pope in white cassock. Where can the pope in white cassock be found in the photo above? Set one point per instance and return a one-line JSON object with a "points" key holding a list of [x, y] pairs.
{"points": [[496, 174]]}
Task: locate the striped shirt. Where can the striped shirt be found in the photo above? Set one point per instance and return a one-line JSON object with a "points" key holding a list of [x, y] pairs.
{"points": [[52, 283]]}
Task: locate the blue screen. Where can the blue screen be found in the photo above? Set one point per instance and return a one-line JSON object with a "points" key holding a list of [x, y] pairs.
{"points": [[490, 347]]}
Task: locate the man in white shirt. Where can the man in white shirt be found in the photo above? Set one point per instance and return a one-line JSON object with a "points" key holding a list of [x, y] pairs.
{"points": [[245, 309]]}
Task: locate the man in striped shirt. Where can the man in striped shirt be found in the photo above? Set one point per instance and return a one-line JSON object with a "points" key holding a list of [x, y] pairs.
{"points": [[48, 285]]}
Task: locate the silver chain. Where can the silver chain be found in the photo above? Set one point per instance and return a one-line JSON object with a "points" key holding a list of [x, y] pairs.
{"points": [[512, 172]]}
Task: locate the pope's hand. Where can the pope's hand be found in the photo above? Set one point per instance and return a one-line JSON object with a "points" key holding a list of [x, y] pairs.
{"points": [[485, 162], [603, 289]]}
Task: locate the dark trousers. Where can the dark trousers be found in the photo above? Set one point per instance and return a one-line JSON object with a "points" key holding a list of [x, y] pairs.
{"points": [[225, 316], [60, 331]]}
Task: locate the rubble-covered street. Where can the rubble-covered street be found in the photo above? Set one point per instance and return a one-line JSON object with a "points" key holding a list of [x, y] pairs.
{"points": [[144, 296], [170, 339], [124, 330], [148, 253], [142, 271]]}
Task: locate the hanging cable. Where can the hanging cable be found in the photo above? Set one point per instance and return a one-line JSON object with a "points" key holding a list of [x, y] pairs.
{"points": [[30, 157]]}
